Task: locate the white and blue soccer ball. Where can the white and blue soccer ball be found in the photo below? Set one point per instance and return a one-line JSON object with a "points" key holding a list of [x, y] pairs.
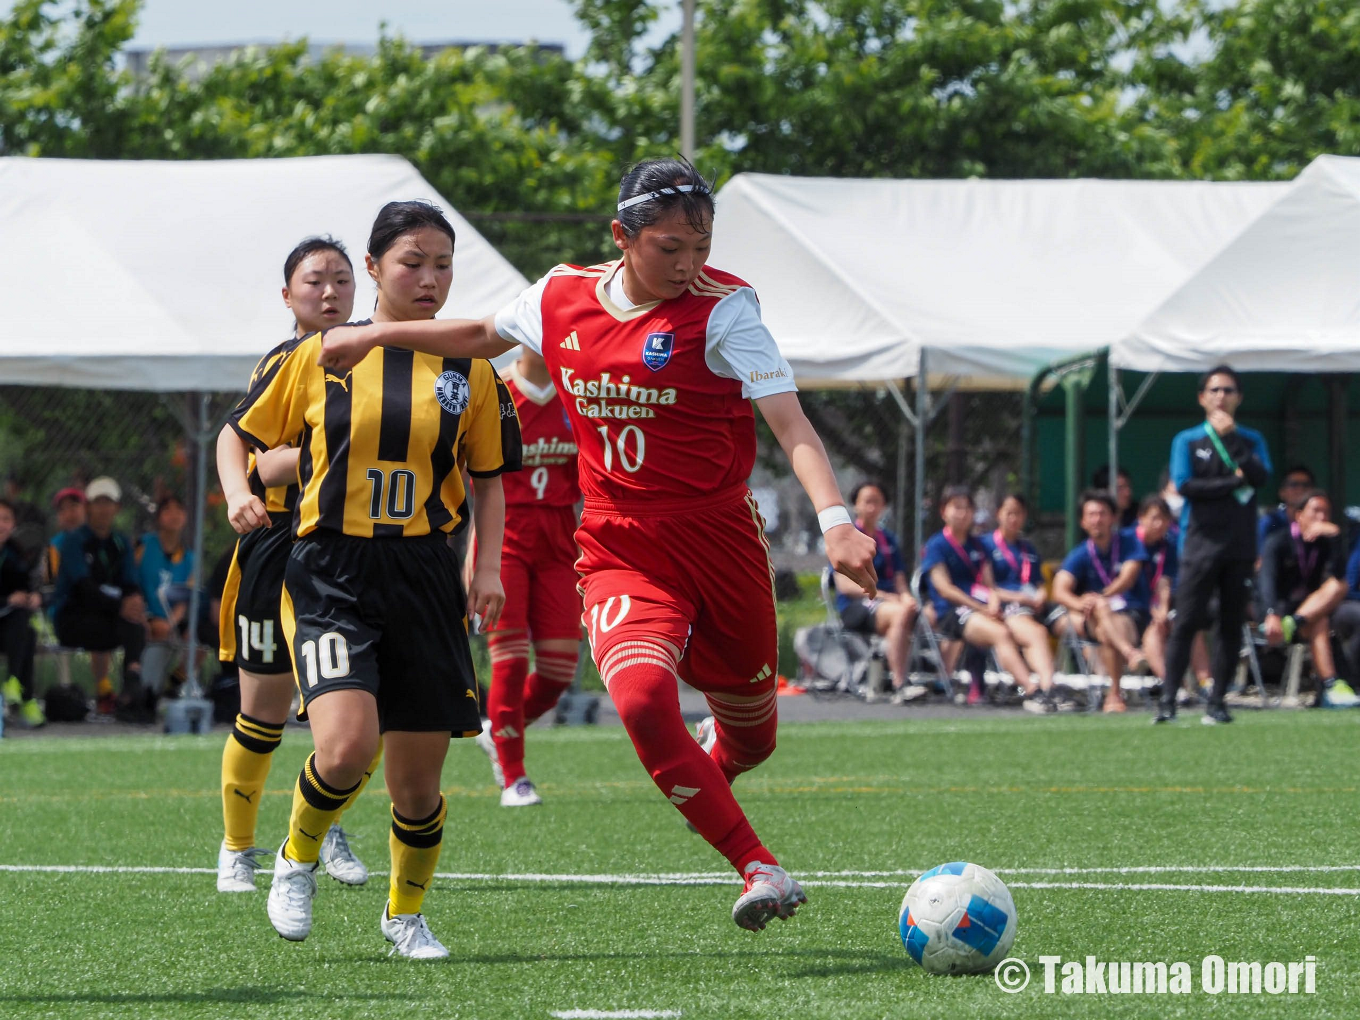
{"points": [[958, 918]]}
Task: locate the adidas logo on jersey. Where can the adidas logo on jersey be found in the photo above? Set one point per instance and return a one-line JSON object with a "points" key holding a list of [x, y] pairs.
{"points": [[762, 675], [571, 343]]}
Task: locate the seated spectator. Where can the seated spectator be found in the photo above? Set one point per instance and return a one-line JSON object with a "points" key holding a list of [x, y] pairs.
{"points": [[70, 504], [1157, 579], [18, 640], [1346, 623], [892, 614], [1024, 606], [1097, 581], [98, 604], [1126, 509], [163, 561], [968, 605], [1296, 481], [1300, 584]]}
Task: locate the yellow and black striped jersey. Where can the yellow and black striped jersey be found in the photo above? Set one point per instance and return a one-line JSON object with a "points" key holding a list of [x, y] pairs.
{"points": [[382, 444], [277, 499]]}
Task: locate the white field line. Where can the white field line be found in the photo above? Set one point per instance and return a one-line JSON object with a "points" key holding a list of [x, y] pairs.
{"points": [[605, 1014], [828, 879]]}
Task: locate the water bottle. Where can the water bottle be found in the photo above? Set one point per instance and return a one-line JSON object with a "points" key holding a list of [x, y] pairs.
{"points": [[877, 677]]}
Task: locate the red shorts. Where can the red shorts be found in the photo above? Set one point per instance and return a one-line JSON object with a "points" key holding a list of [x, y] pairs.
{"points": [[538, 572], [695, 575]]}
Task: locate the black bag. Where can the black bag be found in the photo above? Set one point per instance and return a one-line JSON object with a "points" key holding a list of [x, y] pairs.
{"points": [[66, 703]]}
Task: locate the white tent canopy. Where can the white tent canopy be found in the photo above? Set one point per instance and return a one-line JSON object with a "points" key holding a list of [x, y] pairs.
{"points": [[1283, 296], [166, 275], [993, 279]]}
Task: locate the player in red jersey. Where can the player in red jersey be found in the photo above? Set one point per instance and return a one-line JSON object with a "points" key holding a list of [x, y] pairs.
{"points": [[538, 571], [658, 360]]}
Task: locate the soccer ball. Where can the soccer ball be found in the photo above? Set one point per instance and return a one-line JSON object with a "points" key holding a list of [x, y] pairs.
{"points": [[958, 918]]}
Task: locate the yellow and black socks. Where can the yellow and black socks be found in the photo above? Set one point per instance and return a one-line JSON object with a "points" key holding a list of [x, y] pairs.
{"points": [[245, 766], [368, 774], [316, 806], [415, 854]]}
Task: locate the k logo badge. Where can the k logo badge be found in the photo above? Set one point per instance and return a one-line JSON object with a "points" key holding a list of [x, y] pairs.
{"points": [[656, 350], [452, 391]]}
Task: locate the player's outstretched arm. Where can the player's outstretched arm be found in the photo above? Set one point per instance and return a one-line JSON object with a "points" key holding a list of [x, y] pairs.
{"points": [[244, 509], [345, 346], [850, 551]]}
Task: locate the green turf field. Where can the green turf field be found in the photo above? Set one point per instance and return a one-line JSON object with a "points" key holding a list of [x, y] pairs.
{"points": [[548, 916]]}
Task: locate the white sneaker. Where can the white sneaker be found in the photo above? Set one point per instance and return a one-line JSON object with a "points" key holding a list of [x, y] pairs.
{"points": [[410, 936], [909, 692], [290, 897], [488, 744], [236, 868], [769, 893], [520, 793], [339, 860], [706, 733]]}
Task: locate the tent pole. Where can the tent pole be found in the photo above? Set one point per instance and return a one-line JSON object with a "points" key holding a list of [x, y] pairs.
{"points": [[1112, 374], [900, 502], [922, 420], [1337, 408], [200, 500]]}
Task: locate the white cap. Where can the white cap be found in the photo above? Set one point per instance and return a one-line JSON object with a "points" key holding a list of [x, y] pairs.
{"points": [[103, 487]]}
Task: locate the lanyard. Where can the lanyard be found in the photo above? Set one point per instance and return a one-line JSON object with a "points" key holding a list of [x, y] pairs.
{"points": [[1094, 553], [1306, 563], [1161, 560], [1000, 543], [1218, 445], [963, 555], [883, 549]]}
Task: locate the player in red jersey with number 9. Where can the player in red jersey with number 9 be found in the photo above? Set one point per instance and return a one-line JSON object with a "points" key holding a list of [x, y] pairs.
{"points": [[538, 571], [658, 360]]}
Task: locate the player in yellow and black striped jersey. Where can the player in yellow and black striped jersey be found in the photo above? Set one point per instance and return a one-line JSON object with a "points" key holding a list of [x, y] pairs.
{"points": [[319, 288], [373, 608]]}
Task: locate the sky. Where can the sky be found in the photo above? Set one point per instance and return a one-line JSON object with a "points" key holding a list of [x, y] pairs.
{"points": [[193, 22]]}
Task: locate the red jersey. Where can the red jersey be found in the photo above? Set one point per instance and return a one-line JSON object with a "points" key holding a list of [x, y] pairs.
{"points": [[658, 394], [548, 476]]}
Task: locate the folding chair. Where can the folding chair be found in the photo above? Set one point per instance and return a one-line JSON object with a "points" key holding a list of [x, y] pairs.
{"points": [[925, 644], [1083, 655]]}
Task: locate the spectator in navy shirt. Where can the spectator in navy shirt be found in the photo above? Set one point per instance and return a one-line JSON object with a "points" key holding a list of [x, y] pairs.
{"points": [[1098, 580], [1157, 578], [1297, 480], [97, 604], [968, 606], [1300, 585], [1024, 606], [1346, 621], [893, 612], [1217, 466]]}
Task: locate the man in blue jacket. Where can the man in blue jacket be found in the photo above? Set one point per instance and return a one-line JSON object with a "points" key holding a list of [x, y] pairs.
{"points": [[98, 604], [1217, 467]]}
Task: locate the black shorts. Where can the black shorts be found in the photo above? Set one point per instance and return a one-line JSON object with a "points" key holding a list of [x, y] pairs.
{"points": [[858, 616], [251, 631], [1139, 617], [952, 620], [387, 616]]}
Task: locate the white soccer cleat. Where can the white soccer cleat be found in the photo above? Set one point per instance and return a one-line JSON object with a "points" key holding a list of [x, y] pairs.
{"points": [[520, 793], [339, 860], [706, 733], [236, 868], [410, 936], [769, 893], [488, 744], [290, 897]]}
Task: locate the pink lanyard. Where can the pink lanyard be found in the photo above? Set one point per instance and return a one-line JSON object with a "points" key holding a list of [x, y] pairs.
{"points": [[1094, 553], [1010, 558], [1161, 560], [963, 555], [1306, 563]]}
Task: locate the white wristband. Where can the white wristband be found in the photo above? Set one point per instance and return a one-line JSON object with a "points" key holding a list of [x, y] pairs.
{"points": [[833, 517]]}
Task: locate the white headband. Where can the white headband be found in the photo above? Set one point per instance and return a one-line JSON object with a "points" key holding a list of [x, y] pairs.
{"points": [[678, 189]]}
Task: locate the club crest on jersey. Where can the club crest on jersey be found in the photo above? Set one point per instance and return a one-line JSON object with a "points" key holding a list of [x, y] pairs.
{"points": [[656, 350], [452, 391]]}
